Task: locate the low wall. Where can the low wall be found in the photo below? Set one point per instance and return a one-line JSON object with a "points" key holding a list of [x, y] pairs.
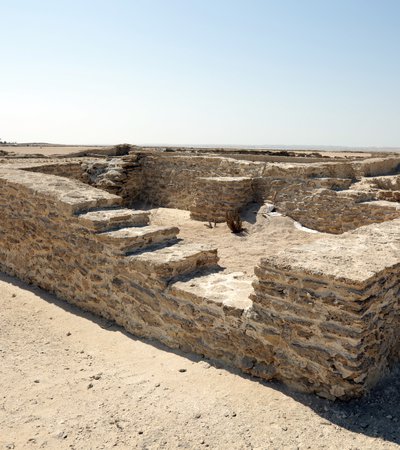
{"points": [[309, 193], [374, 167], [120, 176], [390, 196], [326, 204], [216, 196], [390, 182], [331, 307], [323, 319], [69, 170], [334, 212], [383, 188], [171, 181], [46, 238]]}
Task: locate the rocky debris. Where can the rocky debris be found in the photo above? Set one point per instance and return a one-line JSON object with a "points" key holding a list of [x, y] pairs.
{"points": [[115, 175]]}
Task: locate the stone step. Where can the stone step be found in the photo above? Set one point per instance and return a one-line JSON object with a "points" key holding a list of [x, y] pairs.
{"points": [[229, 290], [131, 239], [110, 219], [171, 261]]}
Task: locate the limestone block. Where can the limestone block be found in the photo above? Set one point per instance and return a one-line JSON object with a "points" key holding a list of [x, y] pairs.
{"points": [[105, 220], [126, 240], [168, 262]]}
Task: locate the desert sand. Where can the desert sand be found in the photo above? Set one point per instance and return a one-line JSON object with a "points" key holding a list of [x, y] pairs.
{"points": [[47, 150], [72, 381], [264, 234]]}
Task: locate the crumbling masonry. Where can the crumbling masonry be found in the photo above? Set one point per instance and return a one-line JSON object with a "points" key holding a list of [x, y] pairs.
{"points": [[322, 317]]}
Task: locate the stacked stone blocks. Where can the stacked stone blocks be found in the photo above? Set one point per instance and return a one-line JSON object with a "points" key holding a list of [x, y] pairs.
{"points": [[321, 318], [217, 196]]}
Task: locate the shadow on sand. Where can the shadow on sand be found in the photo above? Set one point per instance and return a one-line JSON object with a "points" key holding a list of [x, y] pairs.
{"points": [[377, 414]]}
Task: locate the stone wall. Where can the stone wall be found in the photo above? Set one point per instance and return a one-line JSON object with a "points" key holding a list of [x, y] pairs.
{"points": [[171, 181], [389, 183], [382, 188], [69, 170], [373, 167], [324, 318], [120, 176], [389, 195], [66, 237], [332, 211], [62, 236], [322, 196], [326, 204], [311, 194], [216, 196], [331, 308]]}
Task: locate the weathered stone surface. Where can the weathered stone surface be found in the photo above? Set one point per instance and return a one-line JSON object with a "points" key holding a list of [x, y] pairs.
{"points": [[229, 290], [122, 176], [333, 305], [73, 169], [170, 261], [130, 239], [215, 196], [104, 220], [73, 196], [352, 257], [319, 195], [322, 317]]}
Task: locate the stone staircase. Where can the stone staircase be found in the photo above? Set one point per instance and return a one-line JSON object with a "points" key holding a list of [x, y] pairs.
{"points": [[130, 239], [107, 220], [171, 261], [152, 250]]}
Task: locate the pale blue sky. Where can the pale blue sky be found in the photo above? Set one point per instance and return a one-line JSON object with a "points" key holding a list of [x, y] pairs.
{"points": [[201, 72]]}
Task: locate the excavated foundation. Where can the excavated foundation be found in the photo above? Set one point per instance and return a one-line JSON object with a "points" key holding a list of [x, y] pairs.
{"points": [[320, 314]]}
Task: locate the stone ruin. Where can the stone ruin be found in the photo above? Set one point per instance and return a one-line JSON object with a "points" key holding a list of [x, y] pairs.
{"points": [[321, 317]]}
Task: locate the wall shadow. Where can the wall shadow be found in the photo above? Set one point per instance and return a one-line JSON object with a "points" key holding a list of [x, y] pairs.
{"points": [[250, 211]]}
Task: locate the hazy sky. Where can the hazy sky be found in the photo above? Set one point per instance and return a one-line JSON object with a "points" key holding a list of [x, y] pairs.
{"points": [[201, 71]]}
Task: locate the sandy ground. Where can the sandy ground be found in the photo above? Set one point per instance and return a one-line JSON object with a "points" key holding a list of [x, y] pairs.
{"points": [[264, 235], [46, 150], [72, 381]]}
